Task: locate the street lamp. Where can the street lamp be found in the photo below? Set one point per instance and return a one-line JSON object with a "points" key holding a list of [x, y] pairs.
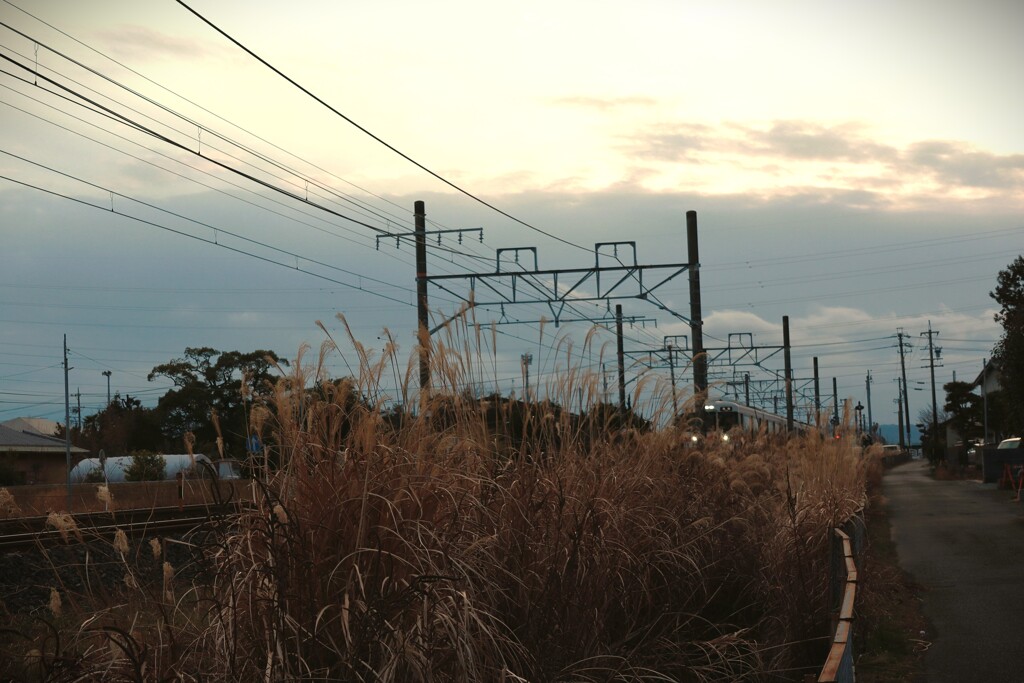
{"points": [[106, 373]]}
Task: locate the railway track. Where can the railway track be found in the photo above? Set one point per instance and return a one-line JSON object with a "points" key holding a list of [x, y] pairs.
{"points": [[30, 532]]}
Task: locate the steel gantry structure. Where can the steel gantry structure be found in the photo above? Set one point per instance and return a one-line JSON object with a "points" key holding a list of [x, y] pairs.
{"points": [[610, 278]]}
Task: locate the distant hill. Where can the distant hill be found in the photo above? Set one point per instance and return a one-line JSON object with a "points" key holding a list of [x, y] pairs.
{"points": [[891, 434]]}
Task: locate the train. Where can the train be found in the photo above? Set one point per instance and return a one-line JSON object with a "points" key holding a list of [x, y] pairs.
{"points": [[722, 417]]}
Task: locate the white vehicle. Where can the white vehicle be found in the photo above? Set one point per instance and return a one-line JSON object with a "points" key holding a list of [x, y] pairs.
{"points": [[113, 469]]}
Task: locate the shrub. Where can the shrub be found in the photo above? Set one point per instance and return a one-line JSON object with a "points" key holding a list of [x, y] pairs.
{"points": [[145, 466], [94, 476]]}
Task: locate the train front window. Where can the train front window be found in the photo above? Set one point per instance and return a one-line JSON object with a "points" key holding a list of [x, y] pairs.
{"points": [[721, 420]]}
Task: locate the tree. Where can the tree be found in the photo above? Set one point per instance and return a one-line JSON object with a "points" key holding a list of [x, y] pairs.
{"points": [[964, 409], [206, 379], [123, 426], [1009, 352]]}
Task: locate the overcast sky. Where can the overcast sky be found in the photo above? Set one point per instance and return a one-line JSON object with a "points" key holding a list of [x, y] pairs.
{"points": [[857, 167]]}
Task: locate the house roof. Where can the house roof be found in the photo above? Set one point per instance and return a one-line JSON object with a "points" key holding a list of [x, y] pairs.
{"points": [[12, 440], [39, 425]]}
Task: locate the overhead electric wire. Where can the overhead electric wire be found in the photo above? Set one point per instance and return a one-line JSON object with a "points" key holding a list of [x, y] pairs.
{"points": [[286, 77], [215, 229], [122, 119], [898, 268], [374, 137], [869, 250], [111, 114], [199, 126], [174, 143], [207, 241], [208, 111], [178, 161], [144, 129]]}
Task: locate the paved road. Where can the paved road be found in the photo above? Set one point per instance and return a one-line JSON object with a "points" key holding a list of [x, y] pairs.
{"points": [[964, 542]]}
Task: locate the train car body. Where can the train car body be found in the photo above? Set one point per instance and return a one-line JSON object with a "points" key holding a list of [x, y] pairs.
{"points": [[723, 417]]}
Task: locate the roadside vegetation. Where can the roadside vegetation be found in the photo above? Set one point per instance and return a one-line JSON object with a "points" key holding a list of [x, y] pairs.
{"points": [[475, 538]]}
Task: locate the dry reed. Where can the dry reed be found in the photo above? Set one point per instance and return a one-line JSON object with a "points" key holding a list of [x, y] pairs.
{"points": [[489, 539]]}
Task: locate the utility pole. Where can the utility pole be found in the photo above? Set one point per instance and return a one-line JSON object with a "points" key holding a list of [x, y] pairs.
{"points": [[835, 403], [867, 385], [984, 398], [700, 361], [932, 352], [899, 416], [906, 399], [817, 394], [788, 368], [423, 331], [621, 358], [604, 381], [901, 392], [672, 377], [67, 421]]}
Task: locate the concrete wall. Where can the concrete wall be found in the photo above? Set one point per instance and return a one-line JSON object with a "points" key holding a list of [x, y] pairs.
{"points": [[38, 468], [40, 500]]}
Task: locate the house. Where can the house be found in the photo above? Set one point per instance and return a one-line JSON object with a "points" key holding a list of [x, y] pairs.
{"points": [[989, 381], [28, 457]]}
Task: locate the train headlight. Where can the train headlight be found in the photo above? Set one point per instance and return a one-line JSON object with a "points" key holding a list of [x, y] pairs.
{"points": [[725, 437], [694, 438]]}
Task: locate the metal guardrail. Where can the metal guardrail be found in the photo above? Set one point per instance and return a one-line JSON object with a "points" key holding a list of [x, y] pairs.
{"points": [[847, 544]]}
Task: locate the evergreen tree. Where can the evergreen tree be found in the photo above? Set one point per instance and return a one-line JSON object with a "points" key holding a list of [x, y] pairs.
{"points": [[1009, 352]]}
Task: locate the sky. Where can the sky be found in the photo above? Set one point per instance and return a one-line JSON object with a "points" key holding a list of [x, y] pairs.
{"points": [[856, 167]]}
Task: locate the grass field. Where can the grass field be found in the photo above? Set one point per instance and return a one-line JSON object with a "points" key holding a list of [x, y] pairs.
{"points": [[476, 539]]}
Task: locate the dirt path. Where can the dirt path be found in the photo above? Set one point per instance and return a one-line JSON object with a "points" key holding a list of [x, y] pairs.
{"points": [[964, 543]]}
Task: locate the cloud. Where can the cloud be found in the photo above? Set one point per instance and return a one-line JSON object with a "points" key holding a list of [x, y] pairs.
{"points": [[954, 163], [676, 142], [802, 140], [842, 164], [131, 40], [604, 103]]}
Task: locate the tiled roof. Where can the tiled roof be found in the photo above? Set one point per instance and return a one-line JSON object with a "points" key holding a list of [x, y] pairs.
{"points": [[13, 440], [39, 425]]}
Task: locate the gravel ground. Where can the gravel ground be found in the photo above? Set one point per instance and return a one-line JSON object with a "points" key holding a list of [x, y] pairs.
{"points": [[81, 570]]}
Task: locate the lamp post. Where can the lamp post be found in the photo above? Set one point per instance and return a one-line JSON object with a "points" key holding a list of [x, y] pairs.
{"points": [[107, 373]]}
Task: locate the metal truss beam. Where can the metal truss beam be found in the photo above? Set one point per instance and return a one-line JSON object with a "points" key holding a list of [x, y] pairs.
{"points": [[561, 287]]}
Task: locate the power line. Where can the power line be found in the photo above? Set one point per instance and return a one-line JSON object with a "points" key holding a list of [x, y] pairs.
{"points": [[192, 220], [212, 113], [846, 253], [208, 241], [374, 137], [119, 118]]}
